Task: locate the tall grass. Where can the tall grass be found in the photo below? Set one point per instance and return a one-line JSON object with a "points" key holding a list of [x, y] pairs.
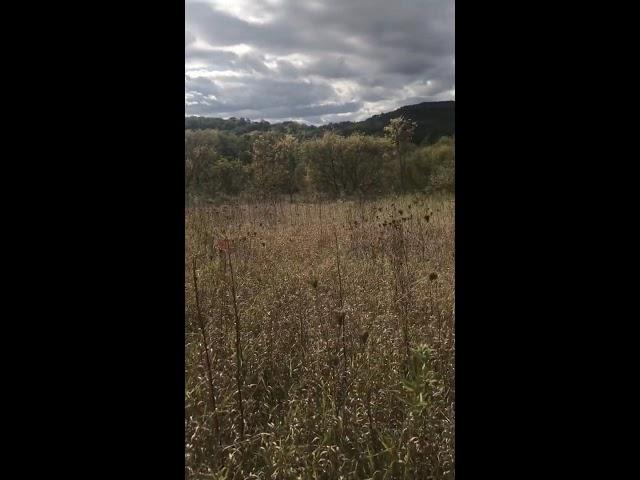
{"points": [[327, 357]]}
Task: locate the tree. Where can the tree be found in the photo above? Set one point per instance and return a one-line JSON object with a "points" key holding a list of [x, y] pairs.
{"points": [[400, 131], [274, 160], [230, 176], [286, 157], [431, 167], [443, 177], [200, 155], [322, 156], [362, 163], [351, 165]]}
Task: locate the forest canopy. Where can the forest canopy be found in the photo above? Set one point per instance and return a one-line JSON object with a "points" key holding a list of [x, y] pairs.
{"points": [[232, 157]]}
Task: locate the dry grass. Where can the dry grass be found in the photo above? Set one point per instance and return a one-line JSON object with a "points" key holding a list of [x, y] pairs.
{"points": [[321, 344]]}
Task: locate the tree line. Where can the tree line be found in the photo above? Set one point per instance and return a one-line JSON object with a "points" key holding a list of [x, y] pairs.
{"points": [[220, 163], [433, 120]]}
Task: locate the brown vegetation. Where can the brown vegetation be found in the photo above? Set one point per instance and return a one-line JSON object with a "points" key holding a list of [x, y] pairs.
{"points": [[320, 340]]}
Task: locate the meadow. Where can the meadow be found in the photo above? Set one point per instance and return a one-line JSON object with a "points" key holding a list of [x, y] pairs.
{"points": [[320, 339]]}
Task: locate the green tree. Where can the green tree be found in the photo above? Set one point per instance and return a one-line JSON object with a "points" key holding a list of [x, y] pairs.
{"points": [[200, 156], [274, 159], [323, 160], [362, 162], [432, 167], [353, 165], [443, 177], [286, 158], [230, 176]]}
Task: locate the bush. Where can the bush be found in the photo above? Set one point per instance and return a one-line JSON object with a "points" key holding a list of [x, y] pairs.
{"points": [[432, 168]]}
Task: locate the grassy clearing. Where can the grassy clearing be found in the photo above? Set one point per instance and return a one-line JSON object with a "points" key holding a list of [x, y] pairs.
{"points": [[320, 340]]}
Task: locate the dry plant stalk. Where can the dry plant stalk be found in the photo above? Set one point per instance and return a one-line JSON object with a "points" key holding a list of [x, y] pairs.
{"points": [[205, 348], [239, 362]]}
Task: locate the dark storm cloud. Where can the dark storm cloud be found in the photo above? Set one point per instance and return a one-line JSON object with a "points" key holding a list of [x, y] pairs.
{"points": [[316, 60]]}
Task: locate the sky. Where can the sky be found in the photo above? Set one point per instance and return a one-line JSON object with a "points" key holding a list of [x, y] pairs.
{"points": [[316, 61]]}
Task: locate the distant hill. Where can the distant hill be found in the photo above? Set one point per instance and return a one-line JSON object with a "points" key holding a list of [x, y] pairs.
{"points": [[434, 119]]}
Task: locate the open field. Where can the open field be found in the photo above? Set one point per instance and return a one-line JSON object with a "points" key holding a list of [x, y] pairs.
{"points": [[320, 340]]}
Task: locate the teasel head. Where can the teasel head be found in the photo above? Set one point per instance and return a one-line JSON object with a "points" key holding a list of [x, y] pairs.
{"points": [[338, 316]]}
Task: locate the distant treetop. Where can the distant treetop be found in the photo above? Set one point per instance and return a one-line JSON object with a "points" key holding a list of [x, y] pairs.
{"points": [[432, 119]]}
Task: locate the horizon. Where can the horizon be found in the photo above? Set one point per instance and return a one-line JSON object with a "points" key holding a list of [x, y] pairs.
{"points": [[304, 122]]}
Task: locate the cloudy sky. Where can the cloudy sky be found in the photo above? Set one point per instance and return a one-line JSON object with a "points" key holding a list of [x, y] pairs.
{"points": [[316, 61]]}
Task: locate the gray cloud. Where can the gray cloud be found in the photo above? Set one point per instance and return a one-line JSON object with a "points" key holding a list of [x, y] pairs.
{"points": [[316, 61]]}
